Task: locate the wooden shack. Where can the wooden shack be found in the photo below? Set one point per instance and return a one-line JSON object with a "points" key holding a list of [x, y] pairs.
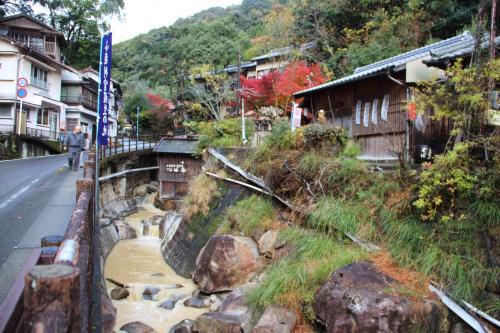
{"points": [[178, 164], [374, 104]]}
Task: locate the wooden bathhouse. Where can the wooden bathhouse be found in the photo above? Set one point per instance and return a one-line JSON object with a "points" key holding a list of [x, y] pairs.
{"points": [[178, 163], [375, 104]]}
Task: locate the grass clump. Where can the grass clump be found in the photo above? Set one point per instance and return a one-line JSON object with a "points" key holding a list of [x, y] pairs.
{"points": [[331, 215], [292, 282], [202, 190], [251, 216]]}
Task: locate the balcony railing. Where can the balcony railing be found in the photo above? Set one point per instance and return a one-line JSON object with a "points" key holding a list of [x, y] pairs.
{"points": [[32, 132], [7, 129], [85, 101]]}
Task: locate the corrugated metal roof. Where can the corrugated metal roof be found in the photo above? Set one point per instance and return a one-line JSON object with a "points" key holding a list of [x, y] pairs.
{"points": [[396, 61], [176, 146]]}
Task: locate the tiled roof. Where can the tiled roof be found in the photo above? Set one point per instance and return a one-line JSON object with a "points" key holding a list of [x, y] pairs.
{"points": [[460, 49], [394, 62]]}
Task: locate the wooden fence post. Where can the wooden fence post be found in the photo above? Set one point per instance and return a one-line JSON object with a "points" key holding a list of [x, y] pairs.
{"points": [[51, 294]]}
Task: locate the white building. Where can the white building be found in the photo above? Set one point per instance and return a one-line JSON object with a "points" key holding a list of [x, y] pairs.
{"points": [[30, 49], [79, 92], [115, 99]]}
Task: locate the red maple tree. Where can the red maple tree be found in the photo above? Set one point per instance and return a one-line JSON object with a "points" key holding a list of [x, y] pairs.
{"points": [[259, 92], [159, 111], [276, 88]]}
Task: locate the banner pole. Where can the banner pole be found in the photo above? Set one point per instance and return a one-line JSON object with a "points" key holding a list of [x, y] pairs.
{"points": [[96, 316]]}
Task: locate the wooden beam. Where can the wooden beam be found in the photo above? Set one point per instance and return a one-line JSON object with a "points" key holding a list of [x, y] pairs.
{"points": [[125, 172]]}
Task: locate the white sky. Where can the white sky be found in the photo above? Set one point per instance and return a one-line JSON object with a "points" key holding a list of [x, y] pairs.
{"points": [[144, 15]]}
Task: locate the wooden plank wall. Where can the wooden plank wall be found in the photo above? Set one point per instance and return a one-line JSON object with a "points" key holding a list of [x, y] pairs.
{"points": [[174, 184], [385, 138], [375, 88], [382, 139]]}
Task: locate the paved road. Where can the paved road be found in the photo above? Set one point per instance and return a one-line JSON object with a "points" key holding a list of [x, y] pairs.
{"points": [[37, 197]]}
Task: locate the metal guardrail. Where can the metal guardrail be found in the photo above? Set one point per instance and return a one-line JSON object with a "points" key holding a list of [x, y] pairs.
{"points": [[43, 134], [33, 132], [125, 144]]}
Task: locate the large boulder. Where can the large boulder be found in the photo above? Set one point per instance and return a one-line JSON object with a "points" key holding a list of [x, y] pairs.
{"points": [[185, 326], [217, 322], [109, 236], [267, 243], [234, 315], [225, 263], [276, 320], [143, 190], [125, 231], [358, 298], [119, 208], [137, 327]]}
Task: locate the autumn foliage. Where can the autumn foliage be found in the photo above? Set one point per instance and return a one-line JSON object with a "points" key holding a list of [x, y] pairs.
{"points": [[159, 111], [276, 88]]}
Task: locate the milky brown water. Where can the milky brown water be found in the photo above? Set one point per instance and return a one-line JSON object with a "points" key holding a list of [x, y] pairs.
{"points": [[138, 263]]}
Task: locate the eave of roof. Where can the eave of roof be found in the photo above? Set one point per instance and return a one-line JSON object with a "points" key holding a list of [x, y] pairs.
{"points": [[459, 50], [176, 146], [32, 51], [389, 63], [21, 15]]}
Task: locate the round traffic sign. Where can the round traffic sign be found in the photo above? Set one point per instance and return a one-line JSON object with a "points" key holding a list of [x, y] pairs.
{"points": [[22, 82], [21, 92]]}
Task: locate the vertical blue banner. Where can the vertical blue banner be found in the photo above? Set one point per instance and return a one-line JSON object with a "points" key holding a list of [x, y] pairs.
{"points": [[104, 89]]}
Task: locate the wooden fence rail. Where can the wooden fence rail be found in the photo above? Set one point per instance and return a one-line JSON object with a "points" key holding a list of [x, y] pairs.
{"points": [[58, 296]]}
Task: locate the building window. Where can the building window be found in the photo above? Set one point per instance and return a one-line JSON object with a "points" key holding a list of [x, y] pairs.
{"points": [[43, 117], [5, 111], [39, 77]]}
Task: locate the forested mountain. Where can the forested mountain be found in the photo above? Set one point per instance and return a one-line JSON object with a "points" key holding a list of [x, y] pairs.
{"points": [[348, 33]]}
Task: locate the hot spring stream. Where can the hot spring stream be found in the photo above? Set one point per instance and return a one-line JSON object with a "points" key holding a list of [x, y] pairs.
{"points": [[138, 263]]}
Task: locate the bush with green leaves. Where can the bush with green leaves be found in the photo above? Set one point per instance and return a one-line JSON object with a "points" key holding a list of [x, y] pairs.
{"points": [[317, 135], [444, 184], [224, 133]]}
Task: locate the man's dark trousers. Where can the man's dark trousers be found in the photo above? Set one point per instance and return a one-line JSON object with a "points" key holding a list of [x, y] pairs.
{"points": [[74, 157]]}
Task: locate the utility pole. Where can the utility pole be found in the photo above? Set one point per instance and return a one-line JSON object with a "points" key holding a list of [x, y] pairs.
{"points": [[137, 125], [238, 83], [493, 28], [243, 128]]}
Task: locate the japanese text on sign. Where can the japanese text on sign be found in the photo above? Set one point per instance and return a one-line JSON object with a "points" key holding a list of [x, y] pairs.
{"points": [[104, 88]]}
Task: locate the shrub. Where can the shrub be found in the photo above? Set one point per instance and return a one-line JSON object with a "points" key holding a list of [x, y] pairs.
{"points": [[224, 133], [443, 183], [281, 136], [317, 135]]}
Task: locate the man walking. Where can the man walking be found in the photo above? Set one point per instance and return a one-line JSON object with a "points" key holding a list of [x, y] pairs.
{"points": [[75, 143]]}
